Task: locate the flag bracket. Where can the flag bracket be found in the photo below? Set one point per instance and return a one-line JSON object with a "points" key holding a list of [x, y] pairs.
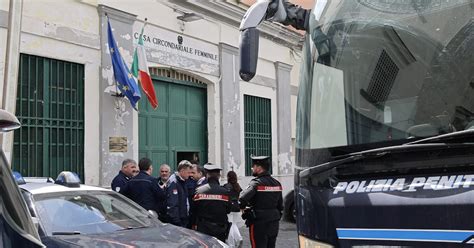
{"points": [[118, 95]]}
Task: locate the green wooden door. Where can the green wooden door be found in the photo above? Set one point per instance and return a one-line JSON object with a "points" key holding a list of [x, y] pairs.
{"points": [[50, 107], [179, 124]]}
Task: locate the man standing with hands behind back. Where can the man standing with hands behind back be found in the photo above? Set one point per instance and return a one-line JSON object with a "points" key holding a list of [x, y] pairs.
{"points": [[262, 204]]}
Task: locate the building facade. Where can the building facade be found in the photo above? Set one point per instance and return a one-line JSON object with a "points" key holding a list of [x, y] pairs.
{"points": [[66, 97]]}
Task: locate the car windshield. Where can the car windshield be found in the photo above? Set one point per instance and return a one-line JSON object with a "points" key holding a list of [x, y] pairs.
{"points": [[385, 71], [88, 212]]}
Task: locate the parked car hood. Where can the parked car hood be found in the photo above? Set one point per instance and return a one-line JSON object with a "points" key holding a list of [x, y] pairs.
{"points": [[162, 235]]}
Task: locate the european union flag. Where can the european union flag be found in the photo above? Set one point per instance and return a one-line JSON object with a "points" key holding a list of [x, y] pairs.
{"points": [[125, 80]]}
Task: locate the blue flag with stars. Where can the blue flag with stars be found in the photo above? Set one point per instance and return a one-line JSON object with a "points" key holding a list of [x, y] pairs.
{"points": [[125, 80]]}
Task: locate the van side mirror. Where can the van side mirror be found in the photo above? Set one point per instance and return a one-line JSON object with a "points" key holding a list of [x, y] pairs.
{"points": [[8, 121], [248, 47], [278, 11], [249, 34]]}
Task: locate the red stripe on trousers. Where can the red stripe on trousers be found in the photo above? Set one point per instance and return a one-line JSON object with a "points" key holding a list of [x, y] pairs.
{"points": [[252, 238]]}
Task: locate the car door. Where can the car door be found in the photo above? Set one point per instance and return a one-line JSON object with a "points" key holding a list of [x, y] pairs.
{"points": [[16, 225]]}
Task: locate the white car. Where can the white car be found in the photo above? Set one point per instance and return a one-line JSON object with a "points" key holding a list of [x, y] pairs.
{"points": [[68, 214]]}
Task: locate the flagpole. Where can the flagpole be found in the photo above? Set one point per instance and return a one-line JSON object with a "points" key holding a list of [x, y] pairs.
{"points": [[117, 92], [140, 69]]}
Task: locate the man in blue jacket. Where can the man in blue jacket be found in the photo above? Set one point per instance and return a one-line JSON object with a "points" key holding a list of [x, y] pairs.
{"points": [[143, 188], [177, 208], [129, 166]]}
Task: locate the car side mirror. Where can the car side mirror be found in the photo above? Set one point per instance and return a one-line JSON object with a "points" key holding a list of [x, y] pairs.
{"points": [[8, 121], [152, 214], [36, 222]]}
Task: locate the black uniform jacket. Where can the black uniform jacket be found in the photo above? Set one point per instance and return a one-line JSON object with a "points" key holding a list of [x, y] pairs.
{"points": [[177, 201], [264, 196], [234, 197], [211, 203], [144, 190], [119, 181]]}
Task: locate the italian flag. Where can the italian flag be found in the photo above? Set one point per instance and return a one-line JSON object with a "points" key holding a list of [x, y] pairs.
{"points": [[140, 71]]}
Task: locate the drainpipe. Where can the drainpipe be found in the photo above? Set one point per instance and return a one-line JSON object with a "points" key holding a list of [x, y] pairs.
{"points": [[10, 76]]}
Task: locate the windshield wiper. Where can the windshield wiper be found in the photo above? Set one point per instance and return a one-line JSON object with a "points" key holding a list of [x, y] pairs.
{"points": [[67, 233], [373, 153], [132, 227], [329, 165], [453, 137]]}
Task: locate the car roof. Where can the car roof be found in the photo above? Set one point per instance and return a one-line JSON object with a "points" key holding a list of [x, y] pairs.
{"points": [[45, 188]]}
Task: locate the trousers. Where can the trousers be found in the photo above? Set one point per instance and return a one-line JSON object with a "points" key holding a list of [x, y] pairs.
{"points": [[264, 234]]}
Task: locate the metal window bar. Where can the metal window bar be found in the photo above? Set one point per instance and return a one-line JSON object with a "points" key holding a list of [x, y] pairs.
{"points": [[50, 108], [172, 74], [257, 129]]}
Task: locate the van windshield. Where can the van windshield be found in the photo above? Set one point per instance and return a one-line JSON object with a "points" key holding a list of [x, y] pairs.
{"points": [[385, 71]]}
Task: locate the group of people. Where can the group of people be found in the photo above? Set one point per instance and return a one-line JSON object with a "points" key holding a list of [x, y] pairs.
{"points": [[192, 197]]}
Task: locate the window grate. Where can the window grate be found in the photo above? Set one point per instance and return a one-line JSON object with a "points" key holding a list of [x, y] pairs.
{"points": [[258, 129], [383, 79], [50, 107], [173, 74]]}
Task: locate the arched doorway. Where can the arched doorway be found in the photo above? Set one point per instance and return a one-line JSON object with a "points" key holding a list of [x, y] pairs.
{"points": [[177, 129]]}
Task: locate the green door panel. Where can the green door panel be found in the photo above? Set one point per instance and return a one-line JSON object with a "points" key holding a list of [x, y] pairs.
{"points": [[179, 124]]}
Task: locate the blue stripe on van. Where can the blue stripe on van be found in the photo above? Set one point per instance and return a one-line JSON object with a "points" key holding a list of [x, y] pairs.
{"points": [[426, 235]]}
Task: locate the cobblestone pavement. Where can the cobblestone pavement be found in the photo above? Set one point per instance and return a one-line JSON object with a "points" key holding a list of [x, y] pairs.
{"points": [[287, 236]]}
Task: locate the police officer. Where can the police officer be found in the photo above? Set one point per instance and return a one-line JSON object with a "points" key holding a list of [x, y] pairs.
{"points": [[143, 188], [177, 204], [129, 166], [262, 204], [211, 205]]}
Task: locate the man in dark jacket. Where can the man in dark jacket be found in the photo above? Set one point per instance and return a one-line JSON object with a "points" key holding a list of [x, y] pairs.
{"points": [[211, 205], [200, 176], [191, 185], [262, 203], [165, 172], [129, 166], [177, 205], [143, 188]]}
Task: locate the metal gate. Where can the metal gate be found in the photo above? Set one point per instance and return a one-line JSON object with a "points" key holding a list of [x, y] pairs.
{"points": [[258, 129], [50, 107], [178, 127]]}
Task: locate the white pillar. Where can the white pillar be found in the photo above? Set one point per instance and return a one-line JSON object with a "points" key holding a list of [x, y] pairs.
{"points": [[10, 77]]}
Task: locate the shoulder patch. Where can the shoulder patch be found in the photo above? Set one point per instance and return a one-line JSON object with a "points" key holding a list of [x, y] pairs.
{"points": [[269, 188]]}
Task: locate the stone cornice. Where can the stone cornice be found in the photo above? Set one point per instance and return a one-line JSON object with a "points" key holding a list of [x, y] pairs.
{"points": [[283, 66], [229, 48], [231, 14], [116, 14]]}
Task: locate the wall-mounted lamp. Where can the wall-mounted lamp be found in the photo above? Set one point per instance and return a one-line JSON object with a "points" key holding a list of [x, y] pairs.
{"points": [[189, 17]]}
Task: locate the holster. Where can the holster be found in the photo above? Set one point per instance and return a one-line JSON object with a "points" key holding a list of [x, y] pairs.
{"points": [[249, 216]]}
